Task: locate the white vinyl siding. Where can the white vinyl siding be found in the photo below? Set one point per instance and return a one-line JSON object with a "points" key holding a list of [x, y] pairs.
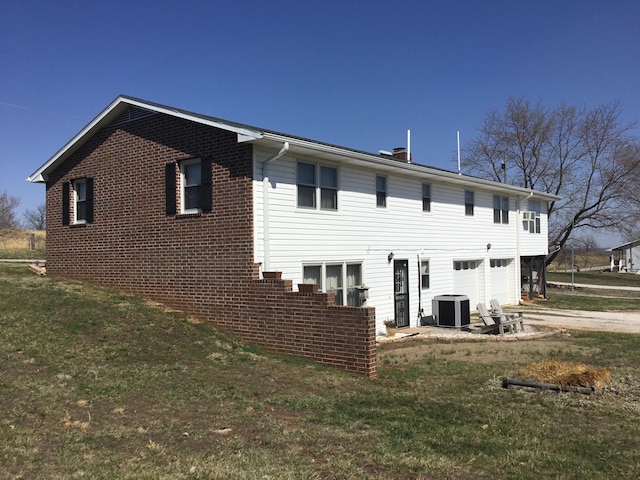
{"points": [[358, 232]]}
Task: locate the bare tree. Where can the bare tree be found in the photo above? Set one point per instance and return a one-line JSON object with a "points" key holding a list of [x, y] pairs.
{"points": [[8, 205], [36, 219], [583, 155]]}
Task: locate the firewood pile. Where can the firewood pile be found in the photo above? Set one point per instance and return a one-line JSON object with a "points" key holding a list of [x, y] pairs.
{"points": [[38, 269]]}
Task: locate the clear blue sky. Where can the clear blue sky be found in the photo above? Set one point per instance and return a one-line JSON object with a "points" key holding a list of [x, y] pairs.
{"points": [[351, 72]]}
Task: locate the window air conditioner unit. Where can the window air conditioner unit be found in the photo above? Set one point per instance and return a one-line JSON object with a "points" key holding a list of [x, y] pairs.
{"points": [[528, 216]]}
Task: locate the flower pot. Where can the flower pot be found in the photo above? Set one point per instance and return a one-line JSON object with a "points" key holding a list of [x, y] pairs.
{"points": [[271, 274], [308, 287], [391, 331]]}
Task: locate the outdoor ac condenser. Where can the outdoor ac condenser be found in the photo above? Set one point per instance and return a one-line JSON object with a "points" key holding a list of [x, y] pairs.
{"points": [[451, 311]]}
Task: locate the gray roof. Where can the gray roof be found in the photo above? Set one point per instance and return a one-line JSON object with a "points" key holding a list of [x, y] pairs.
{"points": [[270, 139]]}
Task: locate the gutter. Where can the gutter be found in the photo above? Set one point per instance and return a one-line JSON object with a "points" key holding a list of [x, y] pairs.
{"points": [[266, 264]]}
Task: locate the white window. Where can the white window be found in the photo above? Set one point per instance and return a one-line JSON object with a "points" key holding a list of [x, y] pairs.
{"points": [[424, 274], [309, 187], [381, 191], [533, 224], [312, 274], [354, 280], [328, 188], [190, 186], [334, 280], [426, 197], [80, 201], [500, 209], [469, 202]]}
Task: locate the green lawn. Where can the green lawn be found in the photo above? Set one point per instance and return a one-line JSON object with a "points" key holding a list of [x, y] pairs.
{"points": [[597, 278], [97, 384], [23, 253]]}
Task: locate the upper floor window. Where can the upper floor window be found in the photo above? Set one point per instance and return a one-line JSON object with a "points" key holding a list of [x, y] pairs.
{"points": [[191, 186], [500, 209], [309, 187], [381, 191], [77, 201], [194, 183], [531, 219], [80, 201], [468, 203], [426, 197]]}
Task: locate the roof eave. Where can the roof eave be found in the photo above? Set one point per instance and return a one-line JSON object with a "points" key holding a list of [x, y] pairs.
{"points": [[386, 163]]}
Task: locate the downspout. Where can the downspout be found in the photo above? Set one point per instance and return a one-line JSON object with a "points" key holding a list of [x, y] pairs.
{"points": [[265, 205], [420, 312]]}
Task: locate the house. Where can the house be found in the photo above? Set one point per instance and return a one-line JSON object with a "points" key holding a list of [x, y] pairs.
{"points": [[198, 212], [626, 257]]}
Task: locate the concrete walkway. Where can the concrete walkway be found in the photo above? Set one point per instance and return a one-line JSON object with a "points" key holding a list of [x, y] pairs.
{"points": [[20, 260], [599, 287]]}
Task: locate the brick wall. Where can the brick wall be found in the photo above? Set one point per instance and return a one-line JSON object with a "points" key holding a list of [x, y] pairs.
{"points": [[202, 264]]}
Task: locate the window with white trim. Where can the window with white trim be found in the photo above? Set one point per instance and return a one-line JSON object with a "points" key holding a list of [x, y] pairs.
{"points": [[426, 197], [381, 191], [312, 274], [80, 201], [77, 201], [331, 278], [424, 274], [469, 203], [533, 224], [315, 180], [500, 209], [190, 186]]}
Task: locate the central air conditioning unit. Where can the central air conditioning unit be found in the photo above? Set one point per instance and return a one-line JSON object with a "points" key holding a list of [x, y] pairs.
{"points": [[451, 311], [528, 216]]}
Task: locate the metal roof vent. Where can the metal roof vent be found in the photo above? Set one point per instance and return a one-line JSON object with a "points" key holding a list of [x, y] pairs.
{"points": [[131, 114]]}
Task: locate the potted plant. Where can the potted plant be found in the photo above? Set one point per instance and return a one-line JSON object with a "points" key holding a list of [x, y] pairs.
{"points": [[391, 327]]}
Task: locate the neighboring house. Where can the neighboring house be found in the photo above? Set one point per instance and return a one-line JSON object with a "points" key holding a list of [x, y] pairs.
{"points": [[191, 210], [626, 257]]}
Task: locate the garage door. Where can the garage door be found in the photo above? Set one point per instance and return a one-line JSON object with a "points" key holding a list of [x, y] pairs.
{"points": [[501, 279], [465, 280]]}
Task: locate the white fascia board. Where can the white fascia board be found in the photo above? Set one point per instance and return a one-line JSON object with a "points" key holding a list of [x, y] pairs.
{"points": [[374, 161], [74, 143], [114, 109]]}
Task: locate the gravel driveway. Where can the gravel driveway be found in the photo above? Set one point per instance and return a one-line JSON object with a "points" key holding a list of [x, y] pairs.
{"points": [[625, 322]]}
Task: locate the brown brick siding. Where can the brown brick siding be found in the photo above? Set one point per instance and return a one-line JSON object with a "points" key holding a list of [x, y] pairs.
{"points": [[202, 264]]}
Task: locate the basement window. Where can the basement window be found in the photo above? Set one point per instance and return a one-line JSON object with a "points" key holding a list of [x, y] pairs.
{"points": [[332, 279]]}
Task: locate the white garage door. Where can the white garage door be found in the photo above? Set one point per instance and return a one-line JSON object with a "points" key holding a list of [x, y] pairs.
{"points": [[501, 280], [465, 280]]}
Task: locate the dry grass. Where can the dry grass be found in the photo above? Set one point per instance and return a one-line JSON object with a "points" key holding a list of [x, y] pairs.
{"points": [[97, 384], [19, 239], [565, 374]]}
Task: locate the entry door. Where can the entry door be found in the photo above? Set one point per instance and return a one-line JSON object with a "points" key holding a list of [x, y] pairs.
{"points": [[401, 292]]}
